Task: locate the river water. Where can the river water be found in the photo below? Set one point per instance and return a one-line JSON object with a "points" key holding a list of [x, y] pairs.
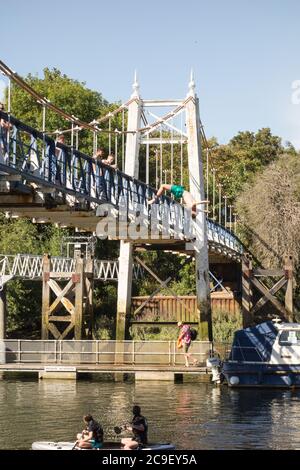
{"points": [[192, 416]]}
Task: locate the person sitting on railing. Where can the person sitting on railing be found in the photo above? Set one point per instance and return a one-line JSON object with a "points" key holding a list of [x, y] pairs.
{"points": [[178, 193], [92, 436], [139, 428]]}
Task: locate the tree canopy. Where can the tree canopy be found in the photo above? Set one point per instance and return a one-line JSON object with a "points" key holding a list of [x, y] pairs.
{"points": [[244, 156], [270, 211]]}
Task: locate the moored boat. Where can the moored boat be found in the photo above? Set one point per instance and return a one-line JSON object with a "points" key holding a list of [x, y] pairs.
{"points": [[50, 445], [266, 355]]}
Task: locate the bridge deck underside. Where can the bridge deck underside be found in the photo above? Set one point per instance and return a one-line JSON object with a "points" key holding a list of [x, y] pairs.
{"points": [[28, 206]]}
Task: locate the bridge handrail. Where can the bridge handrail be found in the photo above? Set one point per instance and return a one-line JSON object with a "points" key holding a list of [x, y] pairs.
{"points": [[30, 266], [78, 174]]}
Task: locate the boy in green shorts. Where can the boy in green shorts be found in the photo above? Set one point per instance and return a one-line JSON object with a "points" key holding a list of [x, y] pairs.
{"points": [[178, 193]]}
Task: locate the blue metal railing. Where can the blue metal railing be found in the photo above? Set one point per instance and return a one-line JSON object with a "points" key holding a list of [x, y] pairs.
{"points": [[37, 158]]}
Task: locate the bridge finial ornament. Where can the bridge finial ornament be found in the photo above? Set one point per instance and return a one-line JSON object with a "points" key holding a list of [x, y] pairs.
{"points": [[135, 86], [192, 84]]}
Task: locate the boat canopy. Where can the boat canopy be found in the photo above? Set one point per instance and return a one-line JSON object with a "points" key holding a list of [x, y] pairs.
{"points": [[254, 344]]}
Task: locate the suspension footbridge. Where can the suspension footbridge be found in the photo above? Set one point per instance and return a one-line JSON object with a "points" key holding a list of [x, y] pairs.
{"points": [[51, 182]]}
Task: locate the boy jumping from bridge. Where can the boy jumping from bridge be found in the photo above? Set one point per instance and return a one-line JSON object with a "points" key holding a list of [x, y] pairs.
{"points": [[179, 192]]}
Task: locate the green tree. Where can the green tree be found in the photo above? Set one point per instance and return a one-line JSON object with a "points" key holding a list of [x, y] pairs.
{"points": [[68, 94], [246, 154], [269, 212]]}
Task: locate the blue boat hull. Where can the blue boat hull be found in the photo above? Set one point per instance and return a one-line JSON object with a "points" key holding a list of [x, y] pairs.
{"points": [[238, 374]]}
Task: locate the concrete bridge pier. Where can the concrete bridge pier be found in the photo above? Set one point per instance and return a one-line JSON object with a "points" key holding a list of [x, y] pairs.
{"points": [[2, 325], [125, 259], [196, 181]]}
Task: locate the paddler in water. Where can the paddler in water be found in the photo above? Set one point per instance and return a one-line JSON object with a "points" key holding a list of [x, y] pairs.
{"points": [[139, 428], [92, 436]]}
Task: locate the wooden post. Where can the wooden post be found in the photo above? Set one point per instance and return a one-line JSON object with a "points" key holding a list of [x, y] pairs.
{"points": [[196, 183], [288, 269], [89, 288], [247, 294], [3, 312], [45, 296], [79, 286]]}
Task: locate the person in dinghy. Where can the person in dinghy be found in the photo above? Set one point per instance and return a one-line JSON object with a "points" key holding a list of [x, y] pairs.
{"points": [[139, 429], [92, 435]]}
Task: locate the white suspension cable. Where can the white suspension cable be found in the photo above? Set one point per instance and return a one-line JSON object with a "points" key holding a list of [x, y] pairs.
{"points": [[123, 140], [181, 151], [207, 174], [76, 138], [43, 130], [109, 136], [9, 97], [94, 143], [172, 155], [161, 157], [72, 136], [116, 146], [156, 168], [147, 161]]}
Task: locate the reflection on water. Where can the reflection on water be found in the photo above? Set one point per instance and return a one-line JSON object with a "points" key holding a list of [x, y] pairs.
{"points": [[192, 416]]}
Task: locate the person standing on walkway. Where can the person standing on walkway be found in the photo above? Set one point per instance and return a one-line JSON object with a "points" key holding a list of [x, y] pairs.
{"points": [[184, 340]]}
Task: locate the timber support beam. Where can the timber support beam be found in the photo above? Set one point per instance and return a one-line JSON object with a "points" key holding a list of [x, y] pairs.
{"points": [[251, 278], [70, 314]]}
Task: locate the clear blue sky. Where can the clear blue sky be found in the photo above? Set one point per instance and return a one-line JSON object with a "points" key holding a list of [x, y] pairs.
{"points": [[245, 53]]}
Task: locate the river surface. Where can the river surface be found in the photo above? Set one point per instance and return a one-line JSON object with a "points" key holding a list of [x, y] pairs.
{"points": [[192, 416]]}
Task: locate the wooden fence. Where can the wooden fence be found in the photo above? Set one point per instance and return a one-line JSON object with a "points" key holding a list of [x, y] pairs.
{"points": [[169, 308]]}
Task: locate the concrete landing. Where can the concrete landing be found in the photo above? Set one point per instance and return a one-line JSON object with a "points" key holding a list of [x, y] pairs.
{"points": [[115, 372], [59, 373], [157, 375]]}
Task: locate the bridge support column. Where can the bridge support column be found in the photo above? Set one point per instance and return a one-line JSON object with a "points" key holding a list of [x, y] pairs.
{"points": [[196, 181], [247, 293], [125, 259], [89, 288], [3, 312], [124, 289], [79, 305], [288, 268], [45, 296]]}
